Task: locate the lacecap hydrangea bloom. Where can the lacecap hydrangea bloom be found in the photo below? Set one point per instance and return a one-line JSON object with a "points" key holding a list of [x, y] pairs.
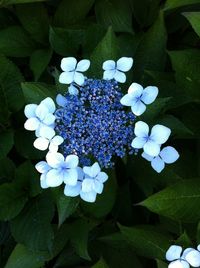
{"points": [[88, 127]]}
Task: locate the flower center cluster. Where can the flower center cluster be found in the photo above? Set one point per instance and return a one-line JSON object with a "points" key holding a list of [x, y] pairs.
{"points": [[94, 124]]}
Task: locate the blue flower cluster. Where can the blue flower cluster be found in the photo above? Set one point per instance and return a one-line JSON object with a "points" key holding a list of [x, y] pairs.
{"points": [[94, 124]]}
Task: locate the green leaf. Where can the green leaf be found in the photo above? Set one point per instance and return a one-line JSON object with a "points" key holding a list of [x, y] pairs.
{"points": [[171, 4], [161, 264], [150, 54], [39, 61], [145, 11], [179, 202], [32, 226], [11, 96], [65, 205], [105, 202], [66, 41], [194, 19], [14, 42], [7, 169], [146, 240], [12, 200], [36, 92], [71, 12], [188, 79], [106, 49], [115, 13], [6, 143], [21, 257], [34, 19], [100, 264], [11, 2]]}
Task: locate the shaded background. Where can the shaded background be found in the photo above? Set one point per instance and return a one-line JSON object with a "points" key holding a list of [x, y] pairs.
{"points": [[43, 228]]}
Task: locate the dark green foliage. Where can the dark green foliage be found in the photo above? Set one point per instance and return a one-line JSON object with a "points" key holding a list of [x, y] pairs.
{"points": [[140, 212]]}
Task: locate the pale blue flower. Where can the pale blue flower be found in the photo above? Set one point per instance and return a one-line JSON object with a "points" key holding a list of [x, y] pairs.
{"points": [[53, 143], [115, 70], [93, 182], [63, 169], [43, 168], [137, 97], [167, 155], [150, 143], [189, 257], [73, 71], [41, 117], [73, 90], [74, 190]]}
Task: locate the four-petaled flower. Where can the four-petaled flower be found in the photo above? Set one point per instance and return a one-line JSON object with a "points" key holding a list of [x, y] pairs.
{"points": [[137, 97], [150, 143], [52, 142], [190, 256], [73, 71], [115, 70], [167, 155], [41, 118]]}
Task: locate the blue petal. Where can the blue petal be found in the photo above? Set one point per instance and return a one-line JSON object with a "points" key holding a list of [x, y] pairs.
{"points": [[138, 142], [92, 171], [66, 77], [79, 78], [83, 66], [173, 253], [72, 191], [149, 94], [43, 181], [136, 89], [147, 157], [98, 186], [29, 110], [151, 148], [54, 178], [193, 258], [102, 177], [89, 196], [160, 134], [127, 100], [49, 119], [49, 103], [124, 64], [41, 111], [179, 264], [141, 129], [41, 143], [158, 164], [71, 161], [31, 124], [70, 176], [169, 155], [109, 65], [73, 90], [46, 132], [68, 64], [42, 167], [120, 77], [109, 74], [61, 100], [87, 185], [138, 108]]}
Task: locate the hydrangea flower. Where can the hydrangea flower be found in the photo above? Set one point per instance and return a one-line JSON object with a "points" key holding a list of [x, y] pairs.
{"points": [[73, 70], [89, 127], [190, 256], [137, 97], [167, 155], [40, 116], [150, 143], [115, 70]]}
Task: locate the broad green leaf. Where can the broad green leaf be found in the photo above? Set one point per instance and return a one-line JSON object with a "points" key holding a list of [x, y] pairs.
{"points": [[145, 12], [12, 200], [179, 202], [6, 143], [106, 49], [188, 79], [161, 264], [179, 130], [171, 4], [21, 257], [66, 42], [184, 241], [36, 92], [14, 42], [65, 205], [150, 54], [115, 13], [34, 19], [79, 234], [71, 12], [39, 61], [11, 2], [7, 169], [146, 240], [194, 19], [27, 175], [11, 97], [32, 226], [100, 264], [105, 201]]}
